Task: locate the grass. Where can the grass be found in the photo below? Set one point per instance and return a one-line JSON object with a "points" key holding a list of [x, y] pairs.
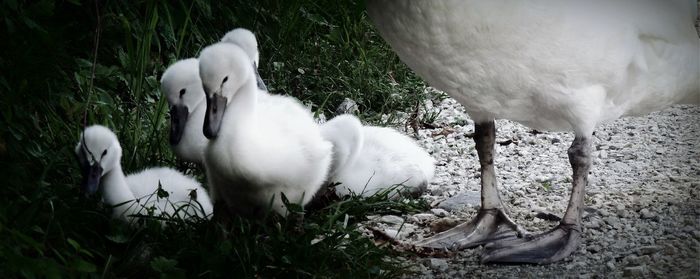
{"points": [[68, 63], [546, 185]]}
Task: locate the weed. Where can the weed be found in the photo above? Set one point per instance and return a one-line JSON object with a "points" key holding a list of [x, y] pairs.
{"points": [[546, 185]]}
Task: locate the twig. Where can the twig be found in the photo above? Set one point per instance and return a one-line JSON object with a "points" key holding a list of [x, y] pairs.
{"points": [[413, 120], [96, 45], [407, 247]]}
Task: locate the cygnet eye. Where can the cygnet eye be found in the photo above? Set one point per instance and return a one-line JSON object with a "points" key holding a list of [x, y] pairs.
{"points": [[225, 79], [182, 92]]}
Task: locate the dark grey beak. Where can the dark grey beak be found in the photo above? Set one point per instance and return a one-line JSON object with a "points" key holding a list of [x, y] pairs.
{"points": [[178, 118], [261, 83], [216, 105], [91, 178]]}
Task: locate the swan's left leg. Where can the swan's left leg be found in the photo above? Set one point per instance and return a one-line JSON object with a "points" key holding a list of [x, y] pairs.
{"points": [[492, 221], [561, 241]]}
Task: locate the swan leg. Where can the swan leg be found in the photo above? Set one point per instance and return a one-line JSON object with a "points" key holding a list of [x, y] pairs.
{"points": [[561, 241], [486, 226]]}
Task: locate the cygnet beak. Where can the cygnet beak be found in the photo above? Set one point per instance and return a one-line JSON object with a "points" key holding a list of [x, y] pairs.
{"points": [[91, 178], [178, 118], [216, 106]]}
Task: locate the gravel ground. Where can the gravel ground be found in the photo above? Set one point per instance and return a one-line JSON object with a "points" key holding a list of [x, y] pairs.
{"points": [[642, 201]]}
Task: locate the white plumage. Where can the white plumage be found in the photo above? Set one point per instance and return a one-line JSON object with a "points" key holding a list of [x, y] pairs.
{"points": [[370, 159], [246, 40], [266, 144], [550, 65], [100, 153], [182, 88]]}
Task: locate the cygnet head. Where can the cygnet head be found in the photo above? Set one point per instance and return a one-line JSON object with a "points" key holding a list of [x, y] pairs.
{"points": [[98, 153], [245, 39], [183, 89], [224, 69]]}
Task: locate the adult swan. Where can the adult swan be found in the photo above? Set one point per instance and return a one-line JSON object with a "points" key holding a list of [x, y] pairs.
{"points": [[550, 65]]}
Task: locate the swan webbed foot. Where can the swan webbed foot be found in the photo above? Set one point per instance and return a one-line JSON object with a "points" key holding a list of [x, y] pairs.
{"points": [[544, 248], [489, 225]]}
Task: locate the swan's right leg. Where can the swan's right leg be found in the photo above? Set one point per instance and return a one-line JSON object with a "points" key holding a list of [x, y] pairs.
{"points": [[486, 226]]}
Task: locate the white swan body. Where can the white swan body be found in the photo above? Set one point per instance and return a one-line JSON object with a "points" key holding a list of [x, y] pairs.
{"points": [[370, 159], [99, 151], [182, 88], [551, 65], [263, 145]]}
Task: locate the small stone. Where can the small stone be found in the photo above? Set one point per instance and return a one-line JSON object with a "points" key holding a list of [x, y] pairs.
{"points": [[634, 271], [542, 179], [651, 249], [548, 216], [391, 219], [348, 106], [603, 154], [612, 221], [424, 216], [439, 212], [461, 200], [593, 223], [406, 230], [646, 214], [391, 233], [637, 260], [594, 248], [443, 224], [622, 213], [439, 264], [321, 118], [610, 264]]}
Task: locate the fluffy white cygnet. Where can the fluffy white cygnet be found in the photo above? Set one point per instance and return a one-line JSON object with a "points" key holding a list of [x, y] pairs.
{"points": [[245, 39], [182, 88], [370, 159], [99, 154], [260, 145]]}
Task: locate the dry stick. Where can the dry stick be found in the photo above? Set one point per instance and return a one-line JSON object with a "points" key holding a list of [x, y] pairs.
{"points": [[408, 247], [98, 27], [413, 120]]}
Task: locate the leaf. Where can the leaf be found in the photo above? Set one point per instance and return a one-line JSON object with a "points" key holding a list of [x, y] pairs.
{"points": [[167, 268], [33, 25], [73, 243], [163, 264], [83, 266], [118, 238], [291, 207], [162, 194]]}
